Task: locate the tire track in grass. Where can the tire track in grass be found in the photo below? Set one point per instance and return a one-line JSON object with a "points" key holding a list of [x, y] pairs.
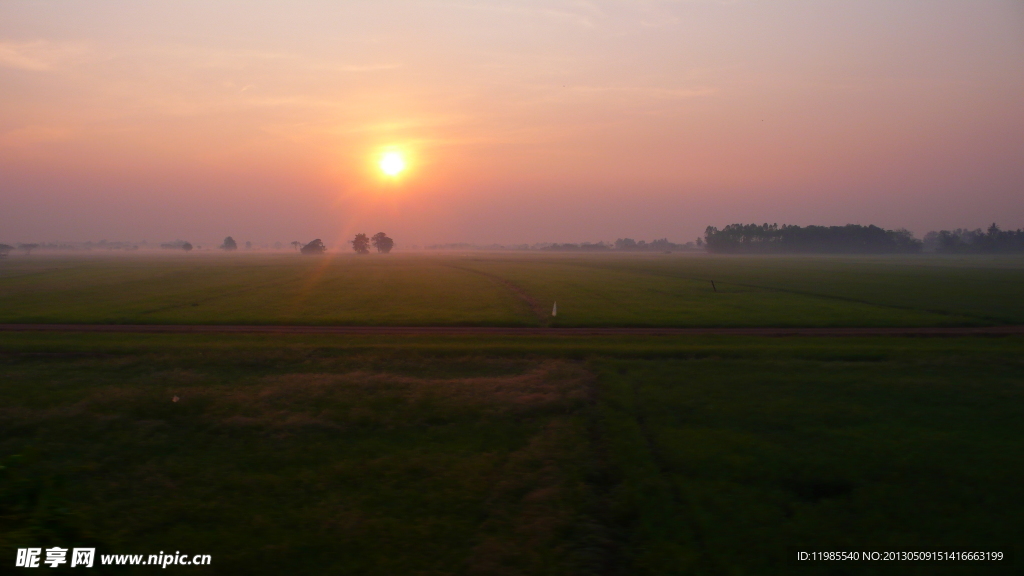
{"points": [[663, 530], [224, 293], [681, 498], [984, 319], [980, 317], [518, 291]]}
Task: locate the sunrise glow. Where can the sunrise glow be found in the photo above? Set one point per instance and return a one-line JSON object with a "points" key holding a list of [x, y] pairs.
{"points": [[482, 122]]}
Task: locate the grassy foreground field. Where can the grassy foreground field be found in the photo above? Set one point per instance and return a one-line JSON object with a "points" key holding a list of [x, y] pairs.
{"points": [[492, 289], [445, 455], [502, 455]]}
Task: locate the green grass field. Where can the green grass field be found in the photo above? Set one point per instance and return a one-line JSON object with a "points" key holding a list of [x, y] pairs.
{"points": [[511, 455], [514, 290]]}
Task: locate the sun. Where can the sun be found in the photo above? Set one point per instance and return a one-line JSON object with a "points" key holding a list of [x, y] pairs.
{"points": [[392, 163]]}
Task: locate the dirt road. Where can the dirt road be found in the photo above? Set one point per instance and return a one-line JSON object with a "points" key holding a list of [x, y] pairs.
{"points": [[511, 331]]}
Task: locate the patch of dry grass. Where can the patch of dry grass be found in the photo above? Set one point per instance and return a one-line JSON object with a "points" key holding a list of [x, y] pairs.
{"points": [[476, 472]]}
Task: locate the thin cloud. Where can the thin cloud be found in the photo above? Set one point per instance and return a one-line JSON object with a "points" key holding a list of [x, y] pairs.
{"points": [[370, 68], [20, 56], [40, 55], [34, 135], [241, 59], [584, 15], [668, 93]]}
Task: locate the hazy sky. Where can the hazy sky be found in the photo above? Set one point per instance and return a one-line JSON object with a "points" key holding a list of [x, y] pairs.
{"points": [[519, 121]]}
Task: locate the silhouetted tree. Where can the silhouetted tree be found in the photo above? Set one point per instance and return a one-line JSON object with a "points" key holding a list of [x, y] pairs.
{"points": [[248, 245], [361, 244], [296, 244], [187, 247], [229, 244], [4, 249], [28, 248], [382, 243], [314, 247]]}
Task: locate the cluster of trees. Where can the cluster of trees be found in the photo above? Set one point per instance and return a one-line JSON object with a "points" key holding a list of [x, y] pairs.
{"points": [[963, 241], [230, 244], [775, 239], [361, 243], [177, 245], [856, 239]]}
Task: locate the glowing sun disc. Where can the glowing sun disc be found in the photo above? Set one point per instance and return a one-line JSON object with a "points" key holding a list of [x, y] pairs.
{"points": [[392, 163]]}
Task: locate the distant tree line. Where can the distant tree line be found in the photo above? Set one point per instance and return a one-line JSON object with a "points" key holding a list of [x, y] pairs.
{"points": [[660, 245], [623, 244], [584, 247], [361, 244], [733, 239], [963, 241], [790, 239], [177, 245], [27, 248], [471, 246]]}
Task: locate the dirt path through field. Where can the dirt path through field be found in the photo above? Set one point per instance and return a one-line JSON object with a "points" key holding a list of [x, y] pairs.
{"points": [[513, 331]]}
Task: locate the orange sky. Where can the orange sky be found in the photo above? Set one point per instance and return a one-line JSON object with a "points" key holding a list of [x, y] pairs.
{"points": [[519, 121]]}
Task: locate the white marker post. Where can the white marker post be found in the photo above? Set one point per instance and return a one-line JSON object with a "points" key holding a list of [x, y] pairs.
{"points": [[554, 309]]}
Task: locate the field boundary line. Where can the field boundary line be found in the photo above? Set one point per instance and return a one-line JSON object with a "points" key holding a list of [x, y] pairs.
{"points": [[934, 331]]}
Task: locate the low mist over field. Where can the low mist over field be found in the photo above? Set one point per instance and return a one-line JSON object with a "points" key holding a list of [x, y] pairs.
{"points": [[733, 239]]}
